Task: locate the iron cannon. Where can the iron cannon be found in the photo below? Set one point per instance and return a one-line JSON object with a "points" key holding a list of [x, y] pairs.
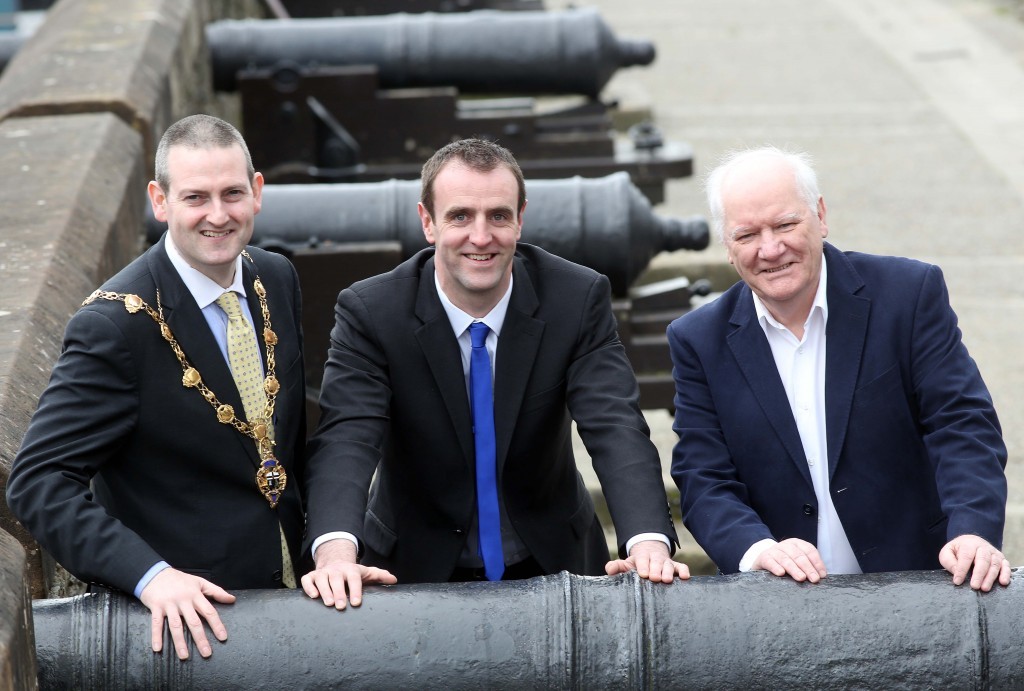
{"points": [[485, 51], [603, 223], [893, 630]]}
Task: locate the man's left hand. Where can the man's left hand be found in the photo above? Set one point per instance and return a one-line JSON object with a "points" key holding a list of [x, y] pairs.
{"points": [[965, 551], [651, 560]]}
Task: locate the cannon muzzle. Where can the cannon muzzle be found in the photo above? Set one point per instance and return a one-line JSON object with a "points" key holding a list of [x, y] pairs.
{"points": [[486, 51], [603, 223], [895, 630]]}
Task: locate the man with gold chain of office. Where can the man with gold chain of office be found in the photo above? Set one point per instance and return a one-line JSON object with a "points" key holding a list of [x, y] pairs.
{"points": [[165, 456]]}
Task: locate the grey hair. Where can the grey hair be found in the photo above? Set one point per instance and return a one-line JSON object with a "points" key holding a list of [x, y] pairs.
{"points": [[198, 132], [799, 162]]}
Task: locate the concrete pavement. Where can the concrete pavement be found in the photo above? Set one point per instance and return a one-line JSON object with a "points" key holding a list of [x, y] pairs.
{"points": [[914, 114]]}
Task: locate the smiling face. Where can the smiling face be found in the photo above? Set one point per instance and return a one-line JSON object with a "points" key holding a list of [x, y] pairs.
{"points": [[773, 238], [209, 207], [475, 227]]}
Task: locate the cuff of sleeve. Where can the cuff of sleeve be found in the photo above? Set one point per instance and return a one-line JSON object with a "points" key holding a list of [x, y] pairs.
{"points": [[753, 552], [648, 536], [149, 575], [336, 535]]}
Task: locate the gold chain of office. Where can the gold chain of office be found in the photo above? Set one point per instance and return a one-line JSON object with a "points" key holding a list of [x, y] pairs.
{"points": [[271, 477]]}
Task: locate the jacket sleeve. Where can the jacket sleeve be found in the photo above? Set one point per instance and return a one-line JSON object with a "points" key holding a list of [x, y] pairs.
{"points": [[86, 412], [957, 417]]}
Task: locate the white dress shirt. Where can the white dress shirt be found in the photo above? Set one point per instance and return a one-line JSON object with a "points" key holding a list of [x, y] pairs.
{"points": [[801, 365]]}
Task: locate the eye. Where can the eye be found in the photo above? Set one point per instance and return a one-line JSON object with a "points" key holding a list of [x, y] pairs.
{"points": [[499, 217]]}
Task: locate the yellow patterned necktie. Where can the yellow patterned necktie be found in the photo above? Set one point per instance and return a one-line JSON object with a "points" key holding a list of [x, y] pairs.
{"points": [[247, 370]]}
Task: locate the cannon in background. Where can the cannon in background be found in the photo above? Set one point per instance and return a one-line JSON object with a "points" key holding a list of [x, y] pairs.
{"points": [[895, 630], [371, 98], [603, 223], [486, 51], [338, 234], [338, 8]]}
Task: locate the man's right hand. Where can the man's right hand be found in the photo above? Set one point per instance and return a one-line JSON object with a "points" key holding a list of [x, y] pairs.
{"points": [[794, 557], [337, 571], [178, 596]]}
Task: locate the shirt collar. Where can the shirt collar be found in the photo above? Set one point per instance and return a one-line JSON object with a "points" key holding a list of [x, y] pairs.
{"points": [[460, 321], [820, 302], [204, 289]]}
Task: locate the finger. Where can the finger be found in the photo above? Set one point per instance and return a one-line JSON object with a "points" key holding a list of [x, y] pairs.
{"points": [[682, 570], [177, 634], [336, 582], [209, 613], [1004, 573], [668, 571], [157, 631], [195, 627], [986, 570], [964, 559], [308, 587], [613, 567], [805, 565], [643, 564], [771, 561], [355, 586], [383, 576], [323, 587]]}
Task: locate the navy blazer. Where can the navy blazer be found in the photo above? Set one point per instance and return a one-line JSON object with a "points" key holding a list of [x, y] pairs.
{"points": [[394, 401], [915, 451], [122, 466]]}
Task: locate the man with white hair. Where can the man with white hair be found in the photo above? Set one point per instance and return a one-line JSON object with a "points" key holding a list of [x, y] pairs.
{"points": [[830, 419]]}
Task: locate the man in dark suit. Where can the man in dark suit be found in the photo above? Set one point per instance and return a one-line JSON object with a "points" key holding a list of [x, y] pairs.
{"points": [[400, 398], [830, 419], [133, 472]]}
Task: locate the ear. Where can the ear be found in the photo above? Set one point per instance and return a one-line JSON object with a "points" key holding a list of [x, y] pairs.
{"points": [[257, 192], [426, 222], [158, 200], [821, 217]]}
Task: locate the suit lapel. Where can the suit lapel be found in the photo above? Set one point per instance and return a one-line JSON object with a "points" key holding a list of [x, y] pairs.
{"points": [[441, 351], [517, 351], [754, 357], [844, 347], [192, 332]]}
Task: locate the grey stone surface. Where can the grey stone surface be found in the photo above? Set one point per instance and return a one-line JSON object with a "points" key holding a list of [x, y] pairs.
{"points": [[914, 113], [71, 217]]}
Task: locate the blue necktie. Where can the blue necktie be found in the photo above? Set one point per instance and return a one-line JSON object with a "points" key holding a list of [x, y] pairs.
{"points": [[486, 472]]}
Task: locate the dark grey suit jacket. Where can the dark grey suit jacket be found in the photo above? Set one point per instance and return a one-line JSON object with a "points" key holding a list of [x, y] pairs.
{"points": [[394, 396], [168, 481]]}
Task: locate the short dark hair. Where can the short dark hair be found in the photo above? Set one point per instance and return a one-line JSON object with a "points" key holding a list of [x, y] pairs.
{"points": [[480, 155], [198, 132]]}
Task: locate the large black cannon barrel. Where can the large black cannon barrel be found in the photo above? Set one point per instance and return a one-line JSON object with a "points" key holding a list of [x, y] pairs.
{"points": [[604, 223], [898, 630], [484, 51]]}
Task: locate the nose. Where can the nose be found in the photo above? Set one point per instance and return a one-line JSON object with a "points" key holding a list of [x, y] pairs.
{"points": [[218, 213], [770, 247], [480, 233]]}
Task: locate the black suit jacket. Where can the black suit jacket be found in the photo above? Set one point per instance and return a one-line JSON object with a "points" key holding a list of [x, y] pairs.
{"points": [[915, 453], [394, 394], [167, 480]]}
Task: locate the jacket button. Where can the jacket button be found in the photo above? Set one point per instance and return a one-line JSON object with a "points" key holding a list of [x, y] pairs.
{"points": [[809, 510], [458, 531], [276, 576]]}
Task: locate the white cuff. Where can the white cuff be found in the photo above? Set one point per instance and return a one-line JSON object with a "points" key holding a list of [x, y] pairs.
{"points": [[753, 552], [648, 536], [337, 535]]}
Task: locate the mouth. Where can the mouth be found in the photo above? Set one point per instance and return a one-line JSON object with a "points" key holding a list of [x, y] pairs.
{"points": [[214, 233], [777, 269], [479, 257]]}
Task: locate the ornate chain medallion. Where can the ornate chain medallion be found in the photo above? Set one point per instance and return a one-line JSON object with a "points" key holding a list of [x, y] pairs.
{"points": [[271, 478]]}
